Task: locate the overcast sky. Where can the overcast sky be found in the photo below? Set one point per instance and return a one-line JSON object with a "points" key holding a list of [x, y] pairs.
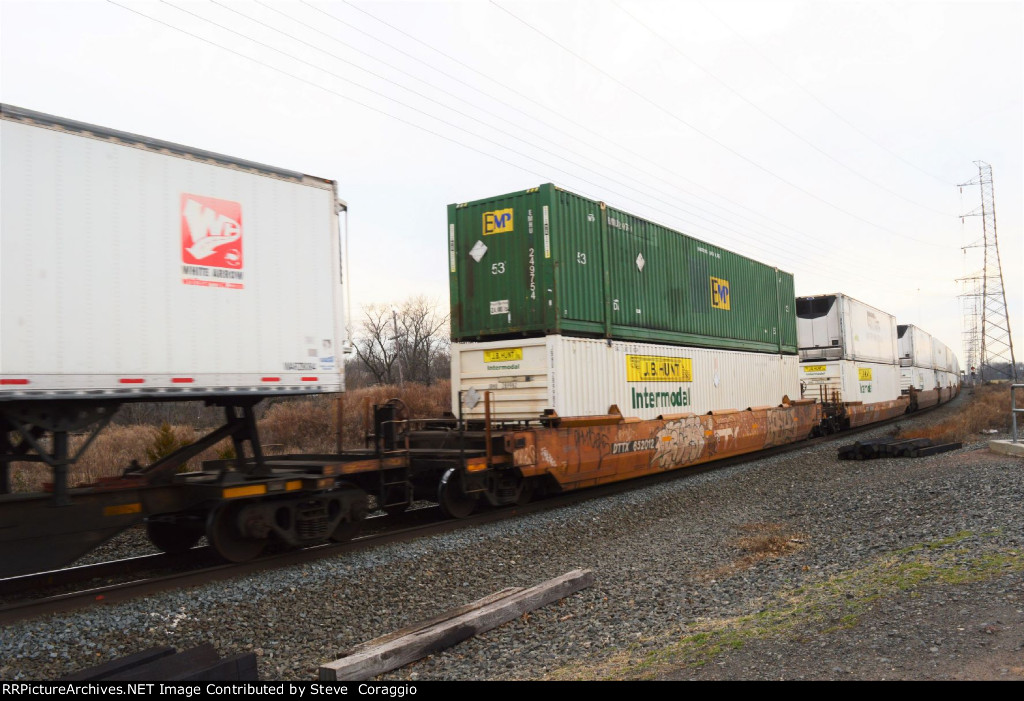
{"points": [[826, 138]]}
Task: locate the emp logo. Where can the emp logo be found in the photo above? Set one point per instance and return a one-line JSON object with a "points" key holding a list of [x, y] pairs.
{"points": [[211, 232], [497, 222], [720, 294]]}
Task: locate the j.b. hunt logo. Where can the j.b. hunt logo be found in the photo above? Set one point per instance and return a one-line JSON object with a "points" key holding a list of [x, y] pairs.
{"points": [[211, 242]]}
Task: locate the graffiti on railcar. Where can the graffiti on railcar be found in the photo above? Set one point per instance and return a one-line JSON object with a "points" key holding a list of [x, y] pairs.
{"points": [[589, 441], [679, 443], [781, 426]]}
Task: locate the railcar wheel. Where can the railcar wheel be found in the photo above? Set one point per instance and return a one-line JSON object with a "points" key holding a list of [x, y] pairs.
{"points": [[455, 503], [525, 493], [347, 529], [172, 538], [224, 536]]}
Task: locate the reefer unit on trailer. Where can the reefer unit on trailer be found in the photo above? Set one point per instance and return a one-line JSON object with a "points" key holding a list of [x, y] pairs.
{"points": [[915, 349], [585, 376], [838, 327], [545, 261], [131, 267]]}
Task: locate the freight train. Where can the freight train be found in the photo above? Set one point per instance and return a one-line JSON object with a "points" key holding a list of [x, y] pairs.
{"points": [[589, 346]]}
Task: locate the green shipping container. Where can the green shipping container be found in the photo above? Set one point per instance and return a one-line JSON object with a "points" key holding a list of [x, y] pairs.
{"points": [[547, 261]]}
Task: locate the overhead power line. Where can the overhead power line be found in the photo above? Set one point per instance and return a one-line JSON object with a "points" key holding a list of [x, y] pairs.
{"points": [[366, 105], [581, 126], [707, 136], [673, 203], [764, 57], [873, 181]]}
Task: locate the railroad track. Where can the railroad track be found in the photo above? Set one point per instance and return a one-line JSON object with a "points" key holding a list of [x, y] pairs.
{"points": [[30, 596]]}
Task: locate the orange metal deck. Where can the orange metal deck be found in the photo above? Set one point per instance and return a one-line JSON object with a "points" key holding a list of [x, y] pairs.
{"points": [[580, 456]]}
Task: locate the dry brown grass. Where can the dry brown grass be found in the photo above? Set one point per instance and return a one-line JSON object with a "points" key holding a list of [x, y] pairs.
{"points": [[987, 408], [109, 455], [305, 425], [760, 541]]}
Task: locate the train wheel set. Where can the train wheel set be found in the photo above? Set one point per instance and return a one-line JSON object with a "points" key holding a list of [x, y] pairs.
{"points": [[243, 505]]}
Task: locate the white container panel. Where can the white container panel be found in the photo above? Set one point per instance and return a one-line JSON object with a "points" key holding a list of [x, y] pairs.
{"points": [[870, 334], [917, 377], [850, 330], [947, 379], [583, 377], [940, 356], [105, 288], [915, 347], [850, 381]]}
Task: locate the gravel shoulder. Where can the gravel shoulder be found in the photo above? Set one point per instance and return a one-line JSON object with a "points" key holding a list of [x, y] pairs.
{"points": [[797, 566]]}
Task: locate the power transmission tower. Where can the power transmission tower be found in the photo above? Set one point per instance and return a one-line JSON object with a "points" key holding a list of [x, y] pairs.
{"points": [[988, 342]]}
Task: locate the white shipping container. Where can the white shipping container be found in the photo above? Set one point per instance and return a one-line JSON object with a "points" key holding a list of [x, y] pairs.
{"points": [[915, 346], [942, 357], [945, 379], [850, 381], [838, 327], [584, 377], [917, 377], [130, 266]]}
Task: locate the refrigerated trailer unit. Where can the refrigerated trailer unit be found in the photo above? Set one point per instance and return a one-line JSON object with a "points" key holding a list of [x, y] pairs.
{"points": [[848, 356], [915, 350]]}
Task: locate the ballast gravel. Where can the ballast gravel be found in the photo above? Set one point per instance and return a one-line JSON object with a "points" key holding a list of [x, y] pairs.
{"points": [[796, 566]]}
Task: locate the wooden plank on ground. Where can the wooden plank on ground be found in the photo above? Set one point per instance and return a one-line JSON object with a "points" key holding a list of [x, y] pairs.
{"points": [[440, 618], [400, 648]]}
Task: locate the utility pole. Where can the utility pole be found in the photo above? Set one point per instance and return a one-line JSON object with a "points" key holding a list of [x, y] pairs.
{"points": [[988, 341], [398, 354]]}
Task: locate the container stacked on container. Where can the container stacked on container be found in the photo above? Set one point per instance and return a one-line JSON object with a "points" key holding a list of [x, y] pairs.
{"points": [[916, 368], [848, 350], [947, 367], [561, 302]]}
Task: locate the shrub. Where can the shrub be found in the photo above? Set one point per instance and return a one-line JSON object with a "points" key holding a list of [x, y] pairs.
{"points": [[987, 407]]}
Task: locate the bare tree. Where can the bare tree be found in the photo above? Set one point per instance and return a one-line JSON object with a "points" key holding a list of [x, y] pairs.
{"points": [[375, 344], [407, 342], [423, 340]]}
